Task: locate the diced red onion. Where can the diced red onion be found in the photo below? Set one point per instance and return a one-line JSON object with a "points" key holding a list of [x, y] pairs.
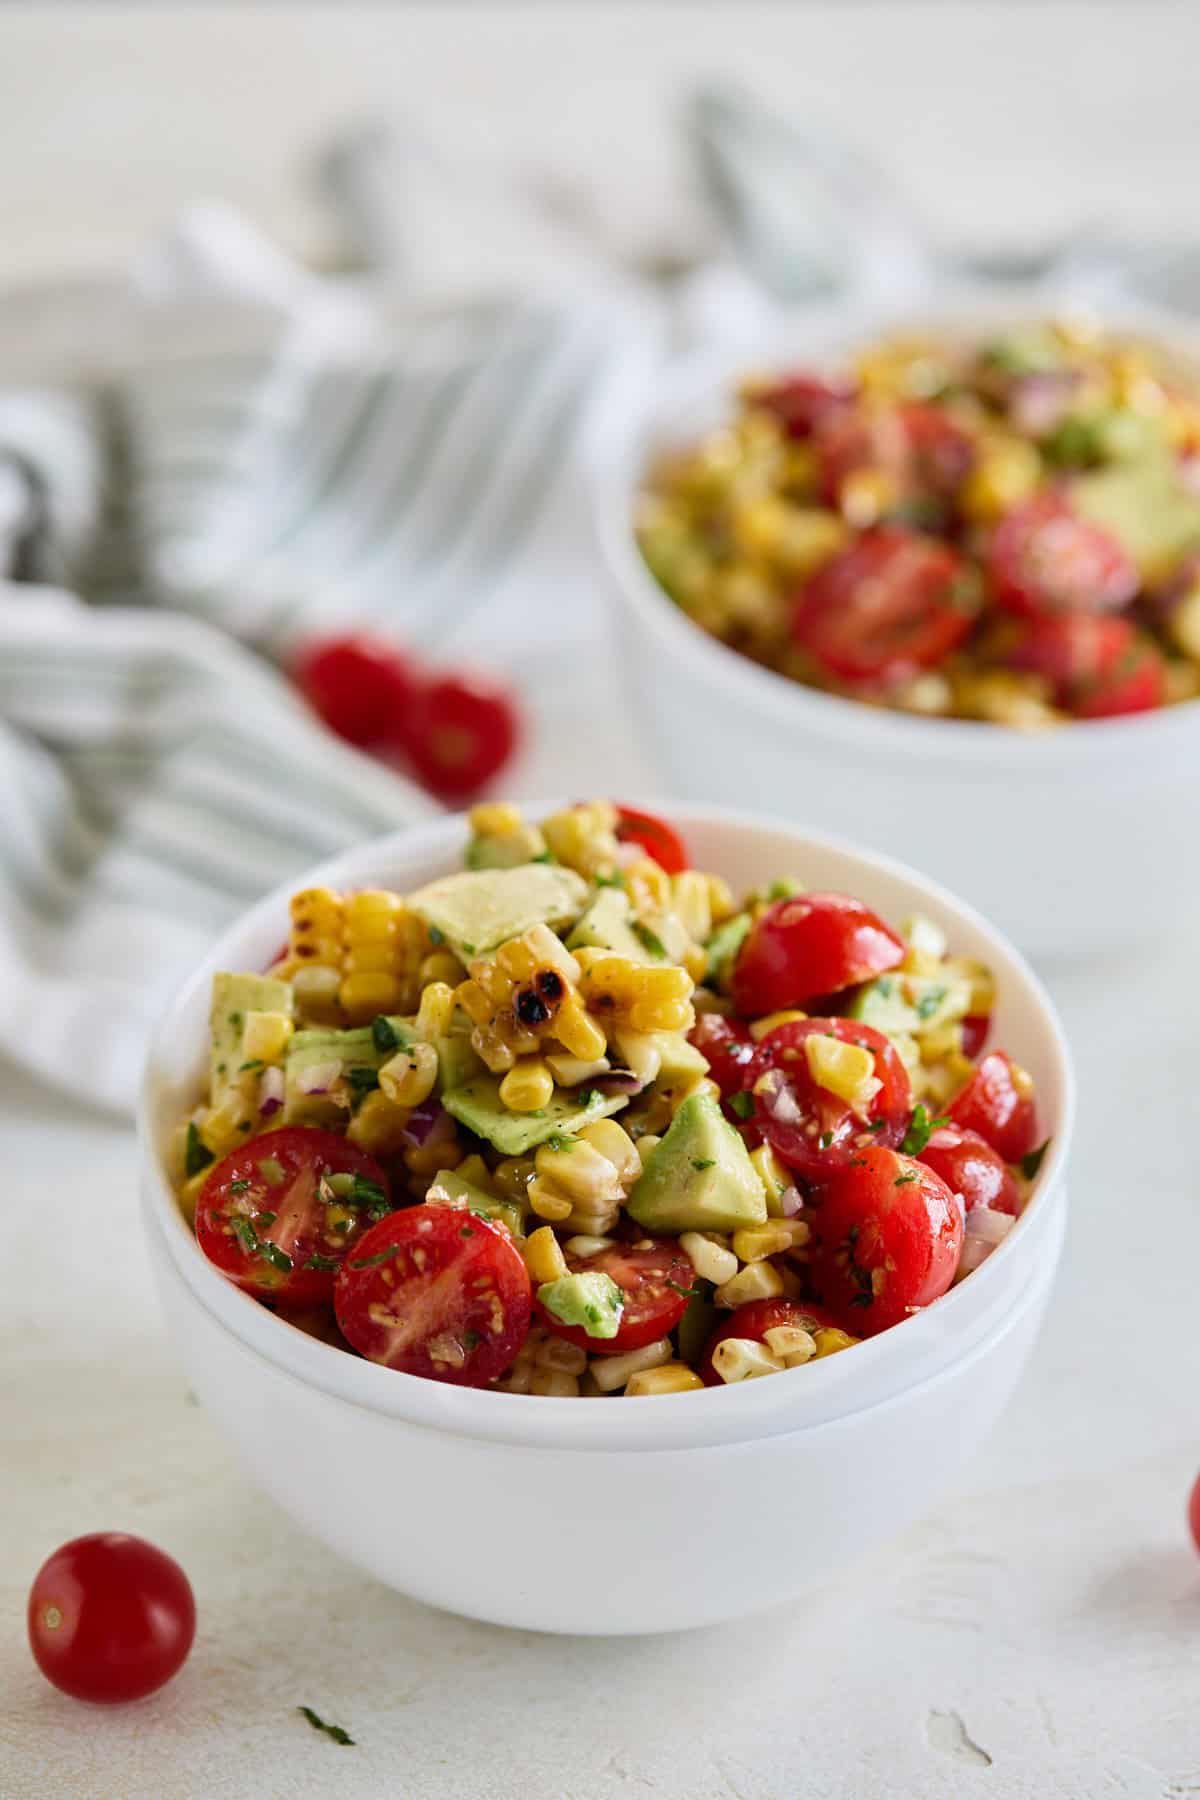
{"points": [[319, 1078], [270, 1092], [985, 1229], [791, 1201], [617, 1081], [1039, 402], [778, 1100], [428, 1123]]}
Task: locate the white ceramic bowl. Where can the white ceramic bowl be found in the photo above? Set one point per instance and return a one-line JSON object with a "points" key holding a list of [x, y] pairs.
{"points": [[1072, 840], [604, 1517]]}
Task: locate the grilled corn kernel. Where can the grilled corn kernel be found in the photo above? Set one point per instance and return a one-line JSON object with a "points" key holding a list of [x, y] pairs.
{"points": [[494, 819], [587, 1246], [757, 1281], [632, 995], [846, 1070], [614, 1143], [978, 977], [712, 1262], [222, 1127], [379, 1126], [744, 1359], [442, 966], [640, 1052], [775, 1177], [791, 1344], [473, 1169], [772, 1022], [865, 495], [612, 1372], [543, 1258], [830, 1339], [366, 992], [583, 837], [668, 1378], [547, 1202], [265, 1036], [408, 1077], [554, 1381], [753, 1242], [315, 992], [436, 1012], [528, 1086], [570, 1072], [1005, 474], [555, 1353], [579, 1171], [578, 1033]]}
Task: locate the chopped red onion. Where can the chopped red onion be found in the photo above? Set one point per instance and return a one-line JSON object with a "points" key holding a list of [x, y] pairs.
{"points": [[791, 1201], [984, 1229], [428, 1123], [319, 1078], [778, 1100], [617, 1081], [270, 1092]]}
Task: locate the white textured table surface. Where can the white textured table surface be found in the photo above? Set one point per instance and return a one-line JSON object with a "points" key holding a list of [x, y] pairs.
{"points": [[1035, 1639]]}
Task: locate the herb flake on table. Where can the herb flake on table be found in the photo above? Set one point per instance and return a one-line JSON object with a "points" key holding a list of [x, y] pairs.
{"points": [[336, 1732]]}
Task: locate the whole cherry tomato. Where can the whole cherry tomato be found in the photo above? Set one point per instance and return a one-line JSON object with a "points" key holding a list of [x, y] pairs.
{"points": [[1043, 558], [969, 1166], [754, 1318], [998, 1103], [461, 731], [891, 603], [361, 686], [1194, 1512], [110, 1617], [658, 839], [809, 946], [887, 1238], [801, 400]]}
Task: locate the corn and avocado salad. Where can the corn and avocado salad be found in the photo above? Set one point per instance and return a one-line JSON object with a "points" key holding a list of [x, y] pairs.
{"points": [[1003, 528], [574, 1120]]}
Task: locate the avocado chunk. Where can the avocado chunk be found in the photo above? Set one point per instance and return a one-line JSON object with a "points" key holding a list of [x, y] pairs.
{"points": [[723, 946], [449, 1189], [1146, 507], [590, 1299], [233, 996], [357, 1057], [479, 1107], [699, 1177], [506, 849], [457, 1060], [681, 1061], [480, 909], [608, 924], [912, 1003]]}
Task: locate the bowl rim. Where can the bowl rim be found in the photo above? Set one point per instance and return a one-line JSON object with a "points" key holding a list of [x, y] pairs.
{"points": [[826, 1390], [615, 478]]}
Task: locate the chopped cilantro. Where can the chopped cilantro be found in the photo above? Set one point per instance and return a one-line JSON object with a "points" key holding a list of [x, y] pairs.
{"points": [[877, 1125], [825, 1139], [245, 1234], [703, 1162], [929, 1002], [1031, 1164], [884, 986], [381, 1256], [364, 1192], [559, 1140], [649, 940], [245, 1124], [589, 1096], [196, 1155], [903, 1180], [267, 1218], [278, 1259], [921, 1128], [317, 1261], [471, 1340], [332, 1731], [361, 1080], [466, 1231], [609, 878], [256, 1062], [742, 1104], [383, 1034], [438, 937], [468, 949], [238, 1187], [692, 1293], [543, 856]]}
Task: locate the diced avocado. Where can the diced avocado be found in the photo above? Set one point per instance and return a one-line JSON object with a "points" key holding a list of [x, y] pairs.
{"points": [[358, 1058], [449, 1189], [506, 849], [480, 909], [696, 1327], [1146, 507], [723, 946], [699, 1177], [681, 1061], [911, 1003], [590, 1299], [479, 1107], [233, 996], [457, 1061], [608, 924]]}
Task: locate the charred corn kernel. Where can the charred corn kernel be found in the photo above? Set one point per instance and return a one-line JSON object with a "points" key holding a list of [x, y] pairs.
{"points": [[408, 1077], [555, 1382], [581, 1245], [520, 957], [1022, 1080], [367, 992], [649, 888], [315, 992], [494, 819], [645, 1145], [865, 495], [712, 1262], [744, 1359], [791, 1344], [775, 1177], [543, 1257], [754, 1242], [691, 902], [555, 1353], [613, 1142], [528, 1086], [436, 1012], [668, 1378], [316, 926], [583, 837], [772, 1022], [511, 1176], [612, 1372], [630, 994], [547, 1202], [757, 1281], [440, 966], [720, 899], [846, 1070], [379, 1126], [579, 1171], [265, 1036], [578, 1033], [830, 1339], [640, 1052], [371, 912], [571, 1071], [1007, 472]]}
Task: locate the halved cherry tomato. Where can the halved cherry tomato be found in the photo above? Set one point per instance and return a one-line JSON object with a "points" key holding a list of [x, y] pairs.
{"points": [[438, 1292], [1136, 684], [658, 839], [268, 1218], [940, 452], [461, 731], [887, 1237], [810, 1128], [1043, 558], [110, 1618], [361, 686], [800, 401], [808, 946], [923, 450], [754, 1318], [975, 1028], [891, 603], [655, 1277], [969, 1166], [728, 1049], [1194, 1512], [998, 1103]]}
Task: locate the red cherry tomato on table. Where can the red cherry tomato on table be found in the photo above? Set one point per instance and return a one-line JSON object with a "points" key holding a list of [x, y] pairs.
{"points": [[653, 1274], [891, 603], [754, 1318], [810, 1128], [461, 731], [1099, 666], [658, 839], [728, 1049], [808, 946], [359, 685], [1043, 558], [800, 401], [975, 1028], [998, 1103], [268, 1219], [969, 1166], [1194, 1512], [436, 1291], [887, 1237], [110, 1617]]}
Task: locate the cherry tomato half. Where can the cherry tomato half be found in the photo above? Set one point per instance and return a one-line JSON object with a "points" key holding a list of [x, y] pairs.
{"points": [[359, 685], [969, 1166], [1137, 683], [438, 1292], [268, 1218], [658, 839], [921, 448], [810, 1128], [1043, 558], [801, 400], [809, 946], [461, 731], [110, 1617], [754, 1318], [655, 1277], [728, 1049], [887, 1237], [975, 1028], [889, 604], [998, 1103]]}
